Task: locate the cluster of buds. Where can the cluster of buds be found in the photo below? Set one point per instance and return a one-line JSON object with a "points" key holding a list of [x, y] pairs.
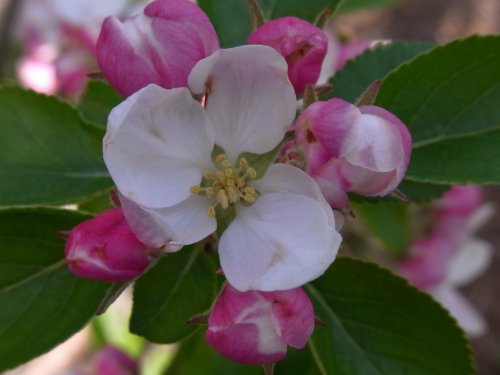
{"points": [[248, 105], [450, 256]]}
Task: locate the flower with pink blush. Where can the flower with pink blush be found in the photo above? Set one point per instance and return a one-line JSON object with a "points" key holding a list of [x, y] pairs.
{"points": [[104, 248], [159, 149], [364, 150], [302, 44], [439, 268], [451, 257], [256, 327], [160, 45]]}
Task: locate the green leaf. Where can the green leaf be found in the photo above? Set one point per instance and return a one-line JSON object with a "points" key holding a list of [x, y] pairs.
{"points": [[48, 155], [419, 192], [307, 10], [232, 21], [350, 82], [351, 5], [97, 102], [43, 303], [195, 357], [389, 221], [179, 286], [97, 204], [448, 98], [376, 323]]}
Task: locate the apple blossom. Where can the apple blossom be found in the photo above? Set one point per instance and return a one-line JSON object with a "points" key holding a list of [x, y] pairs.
{"points": [[302, 44], [256, 327], [451, 257], [440, 269], [160, 45], [104, 248], [364, 150], [158, 149]]}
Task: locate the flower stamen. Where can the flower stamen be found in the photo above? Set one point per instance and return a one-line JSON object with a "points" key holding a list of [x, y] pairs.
{"points": [[227, 185]]}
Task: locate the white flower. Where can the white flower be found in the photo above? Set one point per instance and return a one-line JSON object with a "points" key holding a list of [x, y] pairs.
{"points": [[158, 149]]}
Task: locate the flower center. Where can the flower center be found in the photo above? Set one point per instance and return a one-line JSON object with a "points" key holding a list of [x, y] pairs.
{"points": [[228, 184]]}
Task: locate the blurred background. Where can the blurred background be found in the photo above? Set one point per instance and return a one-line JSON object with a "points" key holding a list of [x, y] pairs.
{"points": [[426, 20]]}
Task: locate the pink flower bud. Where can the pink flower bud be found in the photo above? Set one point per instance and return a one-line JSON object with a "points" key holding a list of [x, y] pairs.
{"points": [[104, 248], [159, 46], [364, 150], [256, 327], [113, 361], [302, 44]]}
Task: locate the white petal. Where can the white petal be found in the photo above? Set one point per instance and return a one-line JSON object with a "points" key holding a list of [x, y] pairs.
{"points": [[183, 224], [250, 101], [280, 242], [283, 178], [470, 261], [378, 145], [462, 310], [157, 145]]}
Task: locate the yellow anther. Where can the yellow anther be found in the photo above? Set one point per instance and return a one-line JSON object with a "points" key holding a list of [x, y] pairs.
{"points": [[251, 172], [243, 163], [233, 194], [211, 211], [222, 199], [219, 159], [249, 190], [227, 184], [196, 189], [221, 176], [250, 198], [240, 182]]}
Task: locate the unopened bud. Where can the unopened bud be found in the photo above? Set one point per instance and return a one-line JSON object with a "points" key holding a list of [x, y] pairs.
{"points": [[277, 319], [302, 44], [104, 248], [159, 46], [364, 150]]}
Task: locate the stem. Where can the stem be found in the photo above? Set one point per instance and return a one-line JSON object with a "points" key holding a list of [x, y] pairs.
{"points": [[269, 369], [258, 18]]}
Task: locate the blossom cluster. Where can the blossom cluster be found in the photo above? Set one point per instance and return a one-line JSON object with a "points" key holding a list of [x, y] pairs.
{"points": [[193, 151]]}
